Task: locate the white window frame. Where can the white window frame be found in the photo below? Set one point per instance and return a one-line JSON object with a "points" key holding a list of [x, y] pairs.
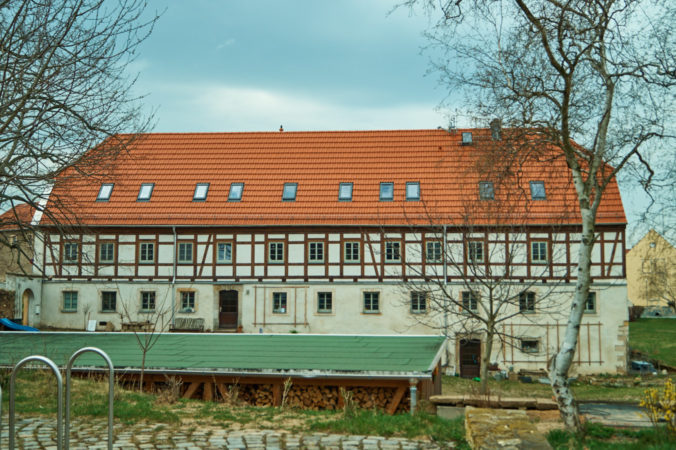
{"points": [[313, 257], [327, 296], [472, 255], [148, 296], [433, 253], [280, 303], [539, 253], [368, 302], [527, 302], [72, 297], [470, 301], [276, 252], [594, 298], [147, 245], [224, 259], [104, 245], [188, 301], [348, 255], [71, 252], [105, 191], [392, 251], [183, 257], [418, 302]]}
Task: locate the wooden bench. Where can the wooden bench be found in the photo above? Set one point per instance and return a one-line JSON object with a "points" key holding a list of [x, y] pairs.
{"points": [[187, 324]]}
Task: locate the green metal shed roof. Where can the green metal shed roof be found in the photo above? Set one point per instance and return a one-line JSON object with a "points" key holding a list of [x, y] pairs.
{"points": [[270, 354]]}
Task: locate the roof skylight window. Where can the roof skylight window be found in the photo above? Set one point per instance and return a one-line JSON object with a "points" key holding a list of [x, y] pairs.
{"points": [[145, 192], [386, 191], [289, 192], [413, 190], [201, 190], [537, 190], [345, 192], [235, 194], [466, 137], [486, 191], [104, 192]]}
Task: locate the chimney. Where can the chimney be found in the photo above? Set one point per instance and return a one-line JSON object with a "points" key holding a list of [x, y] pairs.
{"points": [[281, 128], [496, 129]]}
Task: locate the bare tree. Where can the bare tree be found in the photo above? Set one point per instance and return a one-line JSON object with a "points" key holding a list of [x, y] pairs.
{"points": [[147, 317], [595, 78], [64, 89]]}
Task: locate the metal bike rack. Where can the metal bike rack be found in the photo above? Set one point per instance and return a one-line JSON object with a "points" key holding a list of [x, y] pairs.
{"points": [[111, 385], [59, 398]]}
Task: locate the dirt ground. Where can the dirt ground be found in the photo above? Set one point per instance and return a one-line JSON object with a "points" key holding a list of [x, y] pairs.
{"points": [[546, 421]]}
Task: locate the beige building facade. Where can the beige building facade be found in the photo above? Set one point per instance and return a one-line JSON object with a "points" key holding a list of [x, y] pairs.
{"points": [[651, 272]]}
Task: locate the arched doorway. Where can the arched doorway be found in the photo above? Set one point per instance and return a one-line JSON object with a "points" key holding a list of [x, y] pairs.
{"points": [[26, 300], [228, 309]]}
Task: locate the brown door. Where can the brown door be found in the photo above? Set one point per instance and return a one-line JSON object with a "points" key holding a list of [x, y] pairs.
{"points": [[470, 357], [227, 316]]}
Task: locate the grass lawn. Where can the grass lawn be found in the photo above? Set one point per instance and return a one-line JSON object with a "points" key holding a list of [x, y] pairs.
{"points": [[615, 388], [656, 338], [36, 394], [600, 437]]}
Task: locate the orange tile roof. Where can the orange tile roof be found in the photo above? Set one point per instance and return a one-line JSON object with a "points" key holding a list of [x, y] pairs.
{"points": [[448, 173], [20, 215]]}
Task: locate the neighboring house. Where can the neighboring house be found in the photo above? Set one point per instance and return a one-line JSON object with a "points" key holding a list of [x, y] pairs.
{"points": [[315, 232], [651, 272]]}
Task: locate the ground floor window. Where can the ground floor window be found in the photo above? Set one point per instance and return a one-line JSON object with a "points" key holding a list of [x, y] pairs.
{"points": [[324, 302], [530, 345], [371, 302], [188, 301], [108, 301], [70, 300], [418, 302], [279, 302], [590, 304], [148, 301]]}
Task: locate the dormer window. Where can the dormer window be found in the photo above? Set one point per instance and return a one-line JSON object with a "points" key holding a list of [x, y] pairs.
{"points": [[466, 138], [537, 190], [386, 192], [235, 194], [345, 192], [486, 191], [145, 192], [201, 190], [104, 192], [289, 192], [413, 190]]}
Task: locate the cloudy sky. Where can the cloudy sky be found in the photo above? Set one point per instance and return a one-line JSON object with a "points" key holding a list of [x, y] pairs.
{"points": [[305, 64]]}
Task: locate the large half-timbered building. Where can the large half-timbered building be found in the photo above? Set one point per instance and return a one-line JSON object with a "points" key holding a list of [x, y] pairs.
{"points": [[327, 232]]}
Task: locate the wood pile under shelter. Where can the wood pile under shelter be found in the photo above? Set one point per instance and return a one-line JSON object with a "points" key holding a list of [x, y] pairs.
{"points": [[304, 371]]}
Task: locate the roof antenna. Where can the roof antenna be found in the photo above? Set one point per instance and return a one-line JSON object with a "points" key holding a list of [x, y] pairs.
{"points": [[281, 128]]}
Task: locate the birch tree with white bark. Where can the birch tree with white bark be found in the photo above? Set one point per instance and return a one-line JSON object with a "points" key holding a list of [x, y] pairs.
{"points": [[595, 77]]}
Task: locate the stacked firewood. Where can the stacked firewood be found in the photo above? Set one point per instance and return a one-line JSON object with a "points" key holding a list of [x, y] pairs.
{"points": [[255, 394]]}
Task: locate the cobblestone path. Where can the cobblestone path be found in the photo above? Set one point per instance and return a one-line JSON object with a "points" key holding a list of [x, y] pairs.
{"points": [[40, 433]]}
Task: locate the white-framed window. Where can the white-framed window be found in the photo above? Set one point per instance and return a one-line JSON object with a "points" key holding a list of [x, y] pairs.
{"points": [[185, 252], [392, 251], [71, 252], [279, 302], [146, 252], [345, 192], [433, 252], [276, 252], [351, 253], [70, 301], [316, 252], [105, 192], [530, 345], [418, 302], [486, 190], [538, 252], [235, 193], [527, 301], [412, 190], [201, 191], [224, 252], [475, 251], [371, 302], [106, 252], [147, 300], [537, 190], [188, 301], [145, 192], [324, 302], [289, 192], [590, 303], [386, 192], [108, 301], [470, 302]]}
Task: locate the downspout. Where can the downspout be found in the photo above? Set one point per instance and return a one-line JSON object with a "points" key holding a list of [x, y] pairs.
{"points": [[173, 284], [445, 284]]}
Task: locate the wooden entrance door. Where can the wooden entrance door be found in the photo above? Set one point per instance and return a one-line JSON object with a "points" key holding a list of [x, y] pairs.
{"points": [[470, 358], [228, 309]]}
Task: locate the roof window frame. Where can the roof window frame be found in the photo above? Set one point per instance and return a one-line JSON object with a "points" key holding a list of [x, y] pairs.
{"points": [[105, 198], [411, 198], [234, 198], [381, 196], [202, 198], [343, 198], [533, 191], [485, 194], [288, 198], [466, 138], [150, 193]]}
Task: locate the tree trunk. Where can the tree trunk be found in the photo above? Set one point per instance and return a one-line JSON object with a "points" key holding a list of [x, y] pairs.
{"points": [[143, 369], [485, 361], [561, 362]]}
